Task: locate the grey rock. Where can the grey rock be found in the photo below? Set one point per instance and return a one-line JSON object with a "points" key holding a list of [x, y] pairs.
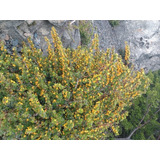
{"points": [[66, 38], [44, 31], [6, 38], [71, 35], [57, 23], [37, 40], [13, 32], [107, 38], [29, 22], [27, 34], [14, 42], [143, 38], [76, 39]]}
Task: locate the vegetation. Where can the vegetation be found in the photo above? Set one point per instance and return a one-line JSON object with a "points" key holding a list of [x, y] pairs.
{"points": [[69, 94], [122, 53], [144, 118], [86, 32], [114, 23]]}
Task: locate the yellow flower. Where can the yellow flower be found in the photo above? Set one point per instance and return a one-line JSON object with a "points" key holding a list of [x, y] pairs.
{"points": [[13, 81], [5, 100], [54, 100], [20, 103]]}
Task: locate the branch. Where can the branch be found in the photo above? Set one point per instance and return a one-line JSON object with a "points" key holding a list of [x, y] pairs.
{"points": [[145, 114], [140, 126]]}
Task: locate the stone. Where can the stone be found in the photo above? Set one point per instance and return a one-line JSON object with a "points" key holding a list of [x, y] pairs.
{"points": [[29, 22], [58, 23], [106, 35], [27, 34], [6, 38], [14, 42], [77, 39], [44, 31], [66, 39]]}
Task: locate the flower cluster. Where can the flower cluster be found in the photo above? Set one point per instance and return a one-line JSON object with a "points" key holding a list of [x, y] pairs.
{"points": [[69, 94]]}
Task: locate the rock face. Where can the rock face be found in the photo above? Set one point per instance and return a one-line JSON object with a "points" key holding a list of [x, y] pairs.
{"points": [[14, 32], [142, 36]]}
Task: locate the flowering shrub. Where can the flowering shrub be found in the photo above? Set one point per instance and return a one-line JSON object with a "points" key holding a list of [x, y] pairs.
{"points": [[70, 94]]}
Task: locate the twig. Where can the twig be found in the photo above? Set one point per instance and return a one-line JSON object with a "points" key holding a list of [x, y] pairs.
{"points": [[144, 115], [140, 126], [77, 83]]}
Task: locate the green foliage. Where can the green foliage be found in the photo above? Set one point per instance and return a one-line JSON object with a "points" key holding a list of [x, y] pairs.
{"points": [[86, 32], [69, 94], [139, 108], [122, 53], [114, 23]]}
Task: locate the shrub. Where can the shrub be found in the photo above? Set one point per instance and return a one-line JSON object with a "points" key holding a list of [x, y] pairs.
{"points": [[121, 52], [69, 94], [114, 23]]}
